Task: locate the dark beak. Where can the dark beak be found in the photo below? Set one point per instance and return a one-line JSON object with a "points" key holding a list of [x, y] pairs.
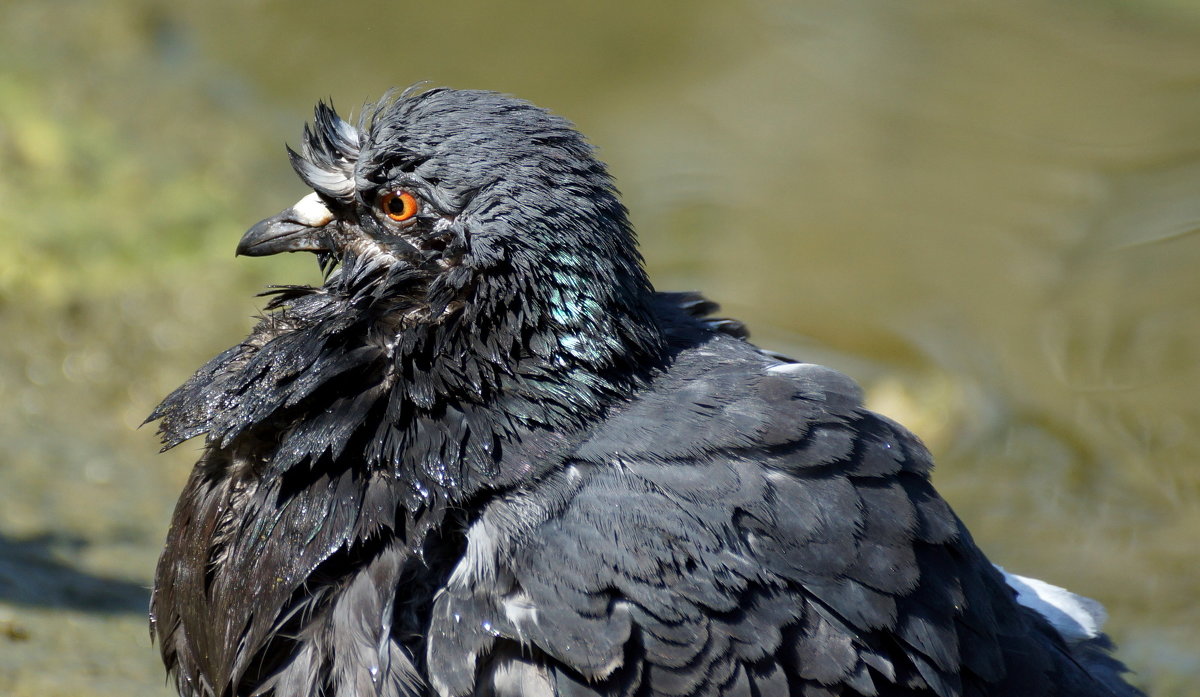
{"points": [[297, 229]]}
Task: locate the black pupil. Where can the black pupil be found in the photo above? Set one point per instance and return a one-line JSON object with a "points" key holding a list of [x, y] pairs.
{"points": [[395, 205]]}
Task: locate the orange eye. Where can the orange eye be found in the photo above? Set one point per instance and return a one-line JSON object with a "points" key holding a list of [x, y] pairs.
{"points": [[400, 206]]}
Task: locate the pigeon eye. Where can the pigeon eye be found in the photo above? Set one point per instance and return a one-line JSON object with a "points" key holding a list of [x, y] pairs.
{"points": [[400, 206]]}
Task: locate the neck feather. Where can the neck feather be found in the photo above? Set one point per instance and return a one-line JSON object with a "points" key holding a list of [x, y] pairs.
{"points": [[382, 368]]}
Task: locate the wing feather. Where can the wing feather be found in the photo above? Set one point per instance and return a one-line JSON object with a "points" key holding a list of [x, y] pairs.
{"points": [[684, 558]]}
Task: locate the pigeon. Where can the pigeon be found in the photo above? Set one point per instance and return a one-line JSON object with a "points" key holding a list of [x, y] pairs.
{"points": [[486, 457]]}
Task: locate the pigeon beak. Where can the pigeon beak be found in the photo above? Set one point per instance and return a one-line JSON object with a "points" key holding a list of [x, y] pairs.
{"points": [[297, 229]]}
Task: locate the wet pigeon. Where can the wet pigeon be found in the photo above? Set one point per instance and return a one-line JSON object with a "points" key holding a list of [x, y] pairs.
{"points": [[485, 457]]}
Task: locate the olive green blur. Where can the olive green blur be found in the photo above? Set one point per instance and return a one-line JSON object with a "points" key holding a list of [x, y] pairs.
{"points": [[989, 213]]}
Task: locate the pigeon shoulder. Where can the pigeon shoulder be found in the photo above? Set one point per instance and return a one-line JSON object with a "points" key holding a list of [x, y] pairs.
{"points": [[745, 526], [720, 393]]}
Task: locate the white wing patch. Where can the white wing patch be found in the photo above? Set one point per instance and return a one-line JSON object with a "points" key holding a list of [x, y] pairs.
{"points": [[1074, 617]]}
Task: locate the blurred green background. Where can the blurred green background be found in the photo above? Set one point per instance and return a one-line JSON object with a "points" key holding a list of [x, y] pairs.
{"points": [[986, 212]]}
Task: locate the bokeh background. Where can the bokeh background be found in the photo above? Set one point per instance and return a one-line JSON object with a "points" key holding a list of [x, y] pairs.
{"points": [[986, 212]]}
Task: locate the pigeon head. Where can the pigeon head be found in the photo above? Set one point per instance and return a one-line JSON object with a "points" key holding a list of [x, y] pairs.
{"points": [[470, 199], [481, 274]]}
